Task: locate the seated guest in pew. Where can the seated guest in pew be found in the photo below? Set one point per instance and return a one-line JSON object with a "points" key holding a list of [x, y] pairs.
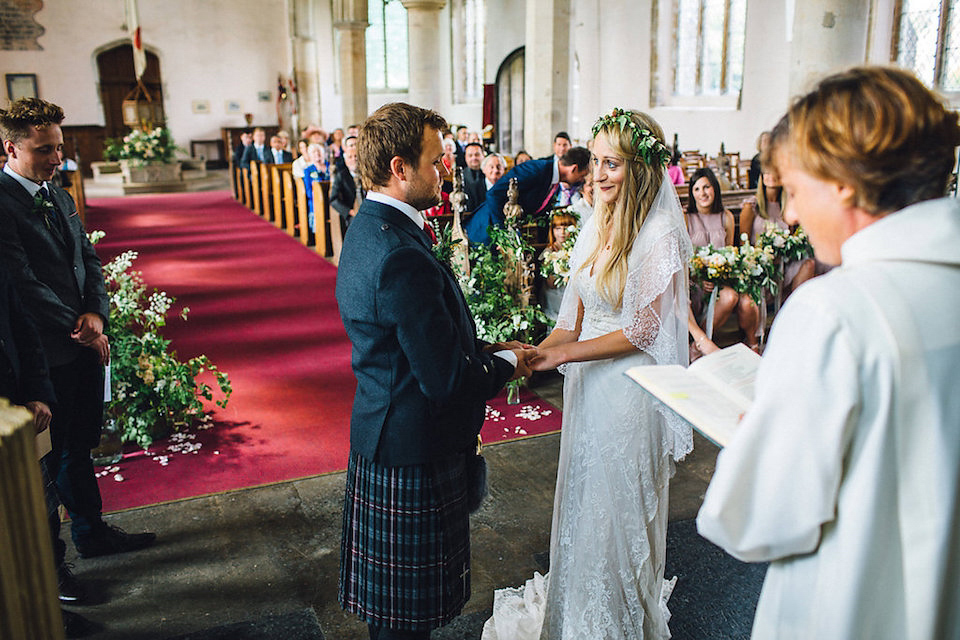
{"points": [[279, 155], [284, 136], [753, 176], [337, 163], [674, 170], [538, 182], [346, 193], [766, 208], [246, 139], [709, 223], [449, 162], [473, 154], [844, 472], [301, 161], [258, 151], [492, 169], [521, 157], [473, 176], [335, 146], [316, 171]]}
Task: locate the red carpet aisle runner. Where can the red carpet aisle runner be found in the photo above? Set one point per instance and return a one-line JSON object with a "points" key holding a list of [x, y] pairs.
{"points": [[262, 308]]}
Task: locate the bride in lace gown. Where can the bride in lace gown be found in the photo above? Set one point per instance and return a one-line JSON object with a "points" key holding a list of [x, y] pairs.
{"points": [[625, 305]]}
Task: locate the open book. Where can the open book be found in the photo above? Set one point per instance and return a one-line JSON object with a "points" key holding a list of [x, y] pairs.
{"points": [[712, 394]]}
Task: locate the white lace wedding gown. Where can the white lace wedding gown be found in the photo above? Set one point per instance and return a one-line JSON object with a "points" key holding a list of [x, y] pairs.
{"points": [[617, 452]]}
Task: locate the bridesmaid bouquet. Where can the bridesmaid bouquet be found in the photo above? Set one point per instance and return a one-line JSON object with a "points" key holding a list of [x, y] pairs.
{"points": [[786, 246], [719, 265], [556, 262], [759, 271], [746, 269]]}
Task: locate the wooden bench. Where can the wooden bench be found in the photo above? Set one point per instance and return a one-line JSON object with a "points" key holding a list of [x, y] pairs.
{"points": [[72, 182]]}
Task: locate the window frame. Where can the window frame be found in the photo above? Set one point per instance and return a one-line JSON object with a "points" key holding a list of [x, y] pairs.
{"points": [[664, 59], [384, 53], [942, 38], [460, 62]]}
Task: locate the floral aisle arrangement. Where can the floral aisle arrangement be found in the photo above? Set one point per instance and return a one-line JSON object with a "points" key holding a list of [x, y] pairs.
{"points": [[155, 145], [153, 392]]}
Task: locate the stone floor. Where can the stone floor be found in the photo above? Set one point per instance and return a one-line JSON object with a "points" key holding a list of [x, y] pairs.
{"points": [[251, 554]]}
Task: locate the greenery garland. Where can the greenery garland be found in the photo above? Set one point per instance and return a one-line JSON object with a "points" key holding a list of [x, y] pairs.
{"points": [[649, 148]]}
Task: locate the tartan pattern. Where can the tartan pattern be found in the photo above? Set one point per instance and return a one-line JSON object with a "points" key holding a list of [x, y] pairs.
{"points": [[405, 548]]}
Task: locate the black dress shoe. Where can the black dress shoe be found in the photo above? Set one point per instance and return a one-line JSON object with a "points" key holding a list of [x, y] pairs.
{"points": [[70, 591], [76, 626], [107, 540]]}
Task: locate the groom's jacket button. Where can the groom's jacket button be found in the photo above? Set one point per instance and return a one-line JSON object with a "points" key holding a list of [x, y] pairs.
{"points": [[384, 227]]}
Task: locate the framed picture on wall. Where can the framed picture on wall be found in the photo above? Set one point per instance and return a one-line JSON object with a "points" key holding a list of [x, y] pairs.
{"points": [[233, 106], [201, 106], [21, 85]]}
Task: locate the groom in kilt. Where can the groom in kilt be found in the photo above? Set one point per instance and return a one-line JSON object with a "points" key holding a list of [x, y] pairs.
{"points": [[422, 382]]}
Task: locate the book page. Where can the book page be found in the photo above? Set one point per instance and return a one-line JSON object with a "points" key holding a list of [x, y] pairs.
{"points": [[43, 443], [733, 369], [709, 409]]}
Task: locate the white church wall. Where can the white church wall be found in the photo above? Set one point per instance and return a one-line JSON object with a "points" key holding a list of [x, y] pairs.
{"points": [[611, 49], [214, 51]]}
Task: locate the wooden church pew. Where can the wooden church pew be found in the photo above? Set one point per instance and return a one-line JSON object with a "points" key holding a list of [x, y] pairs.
{"points": [[255, 186], [276, 189], [300, 206], [245, 188]]}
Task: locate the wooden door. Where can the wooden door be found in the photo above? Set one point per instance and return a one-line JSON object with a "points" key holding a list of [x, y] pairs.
{"points": [[117, 80]]}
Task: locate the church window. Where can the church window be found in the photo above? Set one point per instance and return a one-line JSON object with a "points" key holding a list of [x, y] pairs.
{"points": [[387, 46], [925, 41], [468, 21], [702, 64]]}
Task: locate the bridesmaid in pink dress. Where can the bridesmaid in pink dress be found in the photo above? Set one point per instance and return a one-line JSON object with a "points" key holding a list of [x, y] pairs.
{"points": [[709, 223], [765, 208]]}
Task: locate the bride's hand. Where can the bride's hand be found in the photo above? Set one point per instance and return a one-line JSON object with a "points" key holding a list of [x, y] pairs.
{"points": [[547, 359]]}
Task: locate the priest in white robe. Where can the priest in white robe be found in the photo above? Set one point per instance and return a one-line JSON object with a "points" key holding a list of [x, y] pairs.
{"points": [[845, 472]]}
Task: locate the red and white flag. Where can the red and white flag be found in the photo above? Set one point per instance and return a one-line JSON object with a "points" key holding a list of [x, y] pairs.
{"points": [[133, 28]]}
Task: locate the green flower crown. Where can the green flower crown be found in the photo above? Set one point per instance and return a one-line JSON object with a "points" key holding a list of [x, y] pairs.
{"points": [[648, 146]]}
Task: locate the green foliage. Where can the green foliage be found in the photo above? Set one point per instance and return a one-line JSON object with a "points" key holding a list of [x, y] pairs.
{"points": [[155, 145], [153, 391], [496, 303]]}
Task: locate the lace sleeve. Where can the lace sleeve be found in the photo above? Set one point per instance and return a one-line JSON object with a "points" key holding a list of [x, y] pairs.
{"points": [[650, 293]]}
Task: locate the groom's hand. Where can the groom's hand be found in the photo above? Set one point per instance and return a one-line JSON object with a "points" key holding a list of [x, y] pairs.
{"points": [[524, 356], [511, 345]]}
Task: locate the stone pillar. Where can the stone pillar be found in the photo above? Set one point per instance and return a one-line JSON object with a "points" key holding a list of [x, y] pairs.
{"points": [[423, 52], [547, 69], [827, 36], [350, 24]]}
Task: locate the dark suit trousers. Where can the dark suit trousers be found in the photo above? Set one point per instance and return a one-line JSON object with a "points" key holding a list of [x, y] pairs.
{"points": [[74, 430]]}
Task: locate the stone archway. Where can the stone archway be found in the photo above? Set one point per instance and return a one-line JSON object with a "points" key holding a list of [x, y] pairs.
{"points": [[509, 89], [117, 80]]}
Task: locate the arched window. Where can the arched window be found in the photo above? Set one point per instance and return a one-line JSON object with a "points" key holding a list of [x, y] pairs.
{"points": [[387, 46], [698, 52], [468, 22], [925, 41]]}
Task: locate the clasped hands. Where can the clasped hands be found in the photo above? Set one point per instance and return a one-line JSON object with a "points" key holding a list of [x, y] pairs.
{"points": [[88, 331], [529, 357]]}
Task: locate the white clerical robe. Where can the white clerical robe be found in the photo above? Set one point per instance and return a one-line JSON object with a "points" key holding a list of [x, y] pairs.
{"points": [[846, 470]]}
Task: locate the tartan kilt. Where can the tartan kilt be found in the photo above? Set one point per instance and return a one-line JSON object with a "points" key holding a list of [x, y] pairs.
{"points": [[405, 549]]}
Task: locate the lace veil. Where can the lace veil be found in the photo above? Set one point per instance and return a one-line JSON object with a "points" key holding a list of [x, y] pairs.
{"points": [[653, 315]]}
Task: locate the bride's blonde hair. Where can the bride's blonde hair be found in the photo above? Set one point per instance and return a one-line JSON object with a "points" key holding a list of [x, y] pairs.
{"points": [[638, 140]]}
